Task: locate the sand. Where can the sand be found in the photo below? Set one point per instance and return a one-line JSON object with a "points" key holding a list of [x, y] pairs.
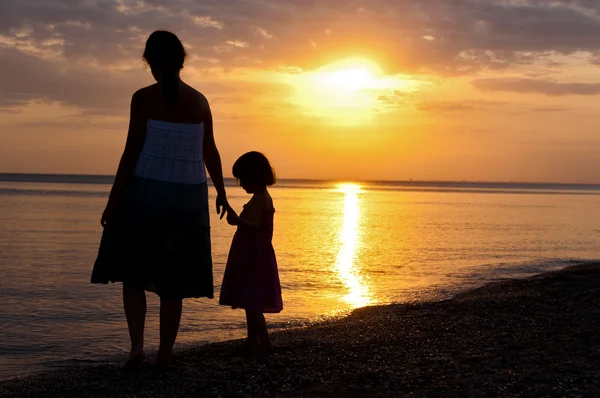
{"points": [[538, 336]]}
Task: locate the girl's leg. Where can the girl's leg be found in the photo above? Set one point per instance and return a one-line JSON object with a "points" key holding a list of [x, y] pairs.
{"points": [[251, 320], [170, 317], [134, 302], [263, 333]]}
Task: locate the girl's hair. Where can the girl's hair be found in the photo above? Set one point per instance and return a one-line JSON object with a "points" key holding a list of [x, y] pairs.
{"points": [[254, 167], [164, 50]]}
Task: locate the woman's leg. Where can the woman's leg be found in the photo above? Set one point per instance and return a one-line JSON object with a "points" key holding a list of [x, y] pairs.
{"points": [[170, 317], [134, 302]]}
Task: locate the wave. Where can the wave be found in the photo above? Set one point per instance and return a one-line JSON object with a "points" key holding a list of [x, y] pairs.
{"points": [[477, 276], [52, 192]]}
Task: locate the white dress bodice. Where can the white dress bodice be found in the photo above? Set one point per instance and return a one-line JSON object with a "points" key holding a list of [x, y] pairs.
{"points": [[172, 152]]}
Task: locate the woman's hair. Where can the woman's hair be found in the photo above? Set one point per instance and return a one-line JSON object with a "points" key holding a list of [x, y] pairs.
{"points": [[254, 167], [164, 50]]}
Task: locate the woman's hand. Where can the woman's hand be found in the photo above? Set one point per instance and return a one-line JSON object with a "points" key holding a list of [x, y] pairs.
{"points": [[222, 205], [108, 214]]}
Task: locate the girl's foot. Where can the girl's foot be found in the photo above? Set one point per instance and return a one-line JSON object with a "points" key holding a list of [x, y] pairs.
{"points": [[265, 349], [163, 360], [161, 366], [135, 360], [248, 348]]}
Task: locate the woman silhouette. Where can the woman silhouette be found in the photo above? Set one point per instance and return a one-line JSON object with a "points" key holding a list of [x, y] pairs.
{"points": [[156, 223]]}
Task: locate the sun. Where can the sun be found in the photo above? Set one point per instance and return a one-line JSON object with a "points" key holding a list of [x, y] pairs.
{"points": [[348, 75], [347, 80], [347, 91]]}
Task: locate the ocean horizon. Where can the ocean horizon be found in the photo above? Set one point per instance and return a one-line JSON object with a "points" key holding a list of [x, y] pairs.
{"points": [[229, 181]]}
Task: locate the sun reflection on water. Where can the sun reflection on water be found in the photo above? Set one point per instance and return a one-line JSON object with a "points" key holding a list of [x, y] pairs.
{"points": [[358, 290]]}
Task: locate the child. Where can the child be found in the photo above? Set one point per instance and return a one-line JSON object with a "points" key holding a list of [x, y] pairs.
{"points": [[251, 278]]}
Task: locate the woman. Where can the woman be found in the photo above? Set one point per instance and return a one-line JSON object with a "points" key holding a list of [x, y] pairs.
{"points": [[156, 223]]}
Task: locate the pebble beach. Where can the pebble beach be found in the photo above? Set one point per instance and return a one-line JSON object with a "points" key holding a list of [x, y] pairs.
{"points": [[533, 337]]}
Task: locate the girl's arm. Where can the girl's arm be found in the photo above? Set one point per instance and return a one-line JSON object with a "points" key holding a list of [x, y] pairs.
{"points": [[133, 148], [247, 223], [258, 206], [212, 160]]}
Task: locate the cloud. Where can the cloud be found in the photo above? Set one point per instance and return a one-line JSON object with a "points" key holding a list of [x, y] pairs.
{"points": [[457, 106], [97, 44], [451, 106], [393, 100], [536, 86], [92, 89], [438, 35], [552, 109], [31, 78]]}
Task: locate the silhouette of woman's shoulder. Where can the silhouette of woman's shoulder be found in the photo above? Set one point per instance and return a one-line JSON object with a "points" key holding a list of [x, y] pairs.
{"points": [[199, 98], [145, 94], [193, 106], [201, 104]]}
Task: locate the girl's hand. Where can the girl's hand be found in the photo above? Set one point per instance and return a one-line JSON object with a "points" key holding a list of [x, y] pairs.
{"points": [[232, 217]]}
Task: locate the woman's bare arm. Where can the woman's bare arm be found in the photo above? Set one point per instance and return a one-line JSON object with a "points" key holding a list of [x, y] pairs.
{"points": [[212, 159], [133, 148]]}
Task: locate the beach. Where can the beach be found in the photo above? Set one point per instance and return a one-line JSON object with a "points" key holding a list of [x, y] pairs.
{"points": [[536, 336]]}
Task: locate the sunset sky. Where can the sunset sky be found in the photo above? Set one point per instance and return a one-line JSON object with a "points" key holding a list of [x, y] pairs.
{"points": [[497, 90]]}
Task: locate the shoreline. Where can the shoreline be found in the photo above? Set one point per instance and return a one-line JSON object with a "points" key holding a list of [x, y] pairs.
{"points": [[536, 336]]}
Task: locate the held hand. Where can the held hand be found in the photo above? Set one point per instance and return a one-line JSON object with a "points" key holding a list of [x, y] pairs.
{"points": [[222, 205], [232, 217]]}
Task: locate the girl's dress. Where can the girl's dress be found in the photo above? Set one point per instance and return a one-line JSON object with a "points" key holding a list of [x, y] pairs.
{"points": [[160, 236], [251, 278]]}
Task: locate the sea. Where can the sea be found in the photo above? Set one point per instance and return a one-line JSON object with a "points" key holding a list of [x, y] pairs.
{"points": [[340, 245]]}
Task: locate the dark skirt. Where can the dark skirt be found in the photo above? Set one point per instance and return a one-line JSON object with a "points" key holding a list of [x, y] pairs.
{"points": [[159, 238], [251, 279]]}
